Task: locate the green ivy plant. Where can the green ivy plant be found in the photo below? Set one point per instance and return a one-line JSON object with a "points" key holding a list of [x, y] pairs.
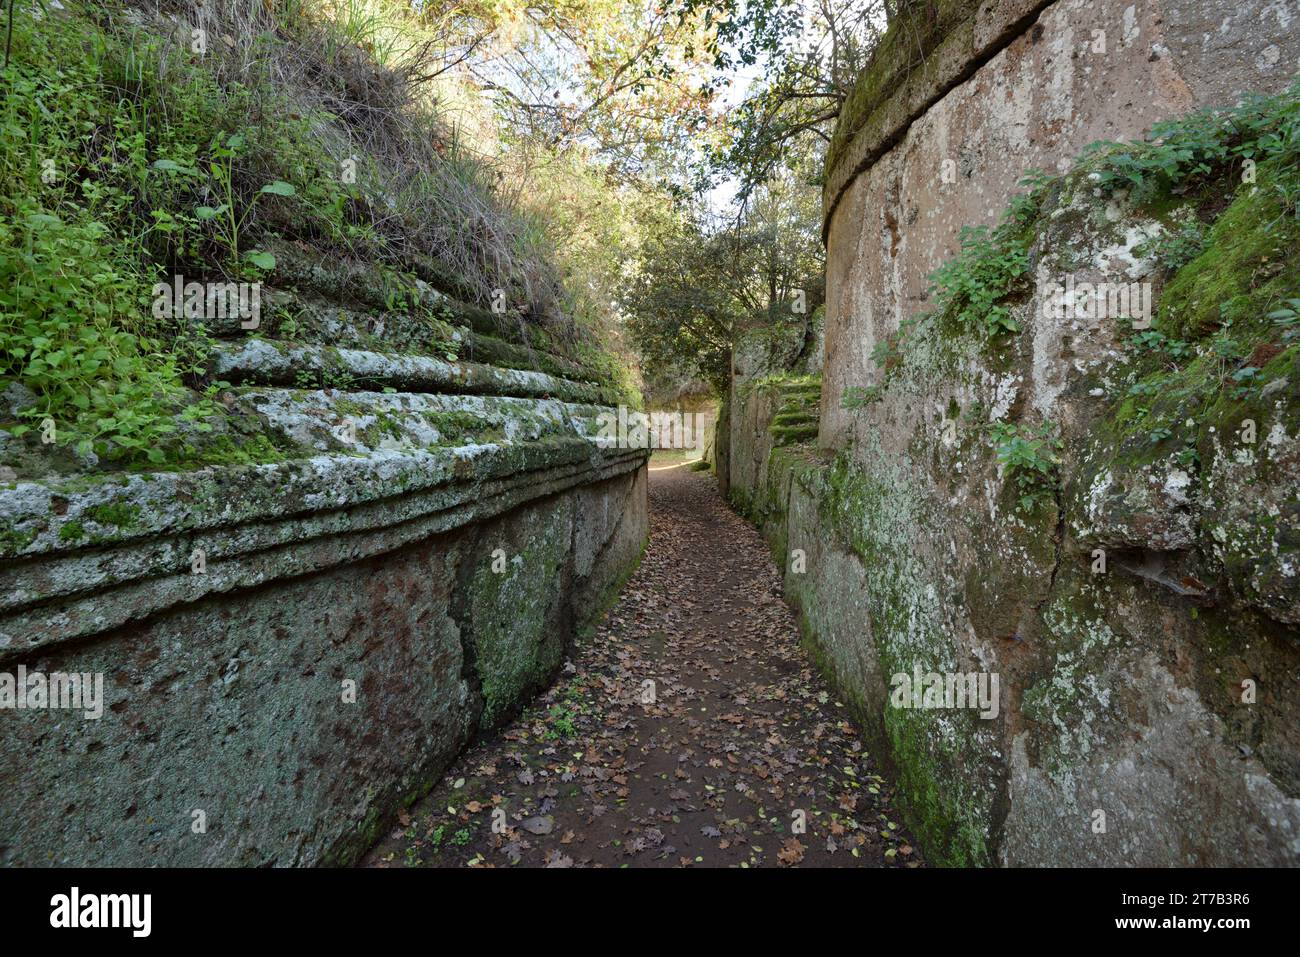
{"points": [[975, 282], [1153, 340]]}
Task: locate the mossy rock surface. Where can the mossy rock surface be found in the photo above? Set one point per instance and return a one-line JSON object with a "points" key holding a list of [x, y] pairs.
{"points": [[1156, 566]]}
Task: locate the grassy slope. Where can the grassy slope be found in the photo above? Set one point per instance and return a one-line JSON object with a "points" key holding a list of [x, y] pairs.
{"points": [[139, 158]]}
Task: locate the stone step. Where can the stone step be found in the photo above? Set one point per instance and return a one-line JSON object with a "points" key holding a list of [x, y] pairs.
{"points": [[792, 434], [371, 287], [271, 362], [312, 319], [322, 420], [135, 550], [794, 418]]}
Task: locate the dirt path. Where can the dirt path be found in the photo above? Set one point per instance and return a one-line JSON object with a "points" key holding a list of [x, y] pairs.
{"points": [[743, 732]]}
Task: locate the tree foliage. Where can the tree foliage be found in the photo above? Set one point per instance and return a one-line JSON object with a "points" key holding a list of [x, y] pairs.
{"points": [[808, 55], [701, 279]]}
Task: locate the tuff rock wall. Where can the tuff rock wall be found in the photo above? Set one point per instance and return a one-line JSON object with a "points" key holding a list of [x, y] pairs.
{"points": [[1149, 713], [293, 650]]}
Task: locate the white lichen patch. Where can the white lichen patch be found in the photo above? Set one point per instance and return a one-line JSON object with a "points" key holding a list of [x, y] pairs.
{"points": [[265, 361], [368, 421], [1124, 254]]}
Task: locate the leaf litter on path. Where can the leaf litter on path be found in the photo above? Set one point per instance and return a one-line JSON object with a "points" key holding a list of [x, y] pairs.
{"points": [[742, 757]]}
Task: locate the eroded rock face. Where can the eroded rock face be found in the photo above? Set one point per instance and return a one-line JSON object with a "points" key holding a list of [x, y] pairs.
{"points": [[292, 649], [1140, 607], [1035, 104], [240, 707]]}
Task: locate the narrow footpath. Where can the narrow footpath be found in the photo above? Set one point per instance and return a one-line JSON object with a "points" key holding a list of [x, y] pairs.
{"points": [[738, 755]]}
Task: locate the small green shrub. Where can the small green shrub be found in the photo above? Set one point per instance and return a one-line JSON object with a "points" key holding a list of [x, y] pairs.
{"points": [[973, 286], [1030, 457], [230, 217], [69, 299], [1182, 153]]}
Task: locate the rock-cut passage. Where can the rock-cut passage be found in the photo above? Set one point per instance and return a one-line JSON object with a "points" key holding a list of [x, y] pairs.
{"points": [[689, 729]]}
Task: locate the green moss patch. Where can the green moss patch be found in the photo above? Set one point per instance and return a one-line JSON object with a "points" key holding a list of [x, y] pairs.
{"points": [[1250, 264], [914, 34]]}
